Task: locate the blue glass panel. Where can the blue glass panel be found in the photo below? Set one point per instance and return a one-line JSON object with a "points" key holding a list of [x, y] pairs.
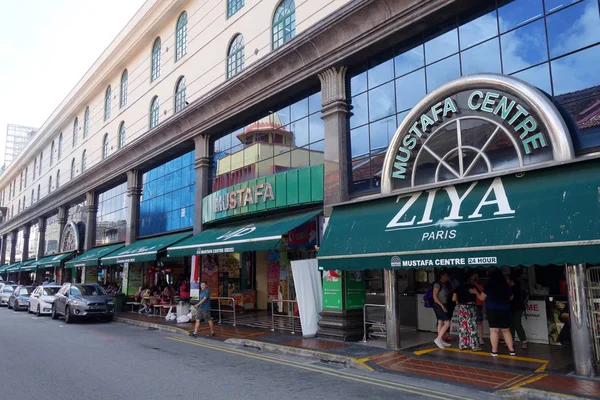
{"points": [[484, 57], [553, 5], [573, 28], [314, 103], [358, 83], [524, 47], [381, 73], [359, 141], [478, 30], [518, 13], [299, 130], [577, 71], [441, 46], [299, 109], [410, 89], [317, 128], [410, 60], [442, 72], [382, 102], [381, 132], [360, 110], [537, 76]]}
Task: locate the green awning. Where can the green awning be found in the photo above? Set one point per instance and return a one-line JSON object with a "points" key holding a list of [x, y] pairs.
{"points": [[543, 217], [92, 258], [27, 266], [4, 268], [52, 261], [259, 235], [143, 250], [13, 268]]}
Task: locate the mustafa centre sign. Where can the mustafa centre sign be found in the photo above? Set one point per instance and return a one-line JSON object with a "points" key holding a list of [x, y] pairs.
{"points": [[473, 176]]}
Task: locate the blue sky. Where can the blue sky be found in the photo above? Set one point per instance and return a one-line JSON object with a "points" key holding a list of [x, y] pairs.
{"points": [[45, 48]]}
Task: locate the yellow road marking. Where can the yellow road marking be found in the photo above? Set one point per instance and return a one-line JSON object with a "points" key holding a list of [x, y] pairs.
{"points": [[527, 381], [339, 374], [542, 368]]}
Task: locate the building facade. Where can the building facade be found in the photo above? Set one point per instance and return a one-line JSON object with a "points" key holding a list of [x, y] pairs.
{"points": [[17, 137], [206, 117]]}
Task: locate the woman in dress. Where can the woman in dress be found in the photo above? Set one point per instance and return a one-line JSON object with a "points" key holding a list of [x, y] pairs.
{"points": [[468, 335]]}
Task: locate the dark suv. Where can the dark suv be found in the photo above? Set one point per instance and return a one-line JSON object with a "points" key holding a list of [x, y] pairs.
{"points": [[75, 300]]}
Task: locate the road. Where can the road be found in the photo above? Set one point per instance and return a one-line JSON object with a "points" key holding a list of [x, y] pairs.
{"points": [[42, 358]]}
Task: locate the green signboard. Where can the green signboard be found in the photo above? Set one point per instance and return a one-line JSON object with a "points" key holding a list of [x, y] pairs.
{"points": [[355, 290], [332, 290], [294, 188]]}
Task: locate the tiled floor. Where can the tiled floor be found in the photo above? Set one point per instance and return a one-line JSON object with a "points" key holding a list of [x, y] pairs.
{"points": [[315, 344], [563, 384]]}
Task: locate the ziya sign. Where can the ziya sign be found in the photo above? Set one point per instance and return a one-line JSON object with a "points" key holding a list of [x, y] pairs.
{"points": [[474, 126], [243, 197]]}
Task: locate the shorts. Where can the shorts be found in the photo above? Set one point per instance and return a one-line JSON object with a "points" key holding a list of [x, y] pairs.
{"points": [[499, 318], [479, 314], [203, 315], [440, 314]]}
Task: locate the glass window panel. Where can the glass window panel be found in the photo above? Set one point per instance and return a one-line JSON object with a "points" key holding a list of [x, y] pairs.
{"points": [[573, 28], [381, 133], [284, 115], [537, 76], [577, 71], [359, 141], [317, 150], [532, 38], [265, 151], [409, 60], [317, 128], [300, 157], [410, 89], [358, 83], [264, 168], [314, 103], [281, 162], [441, 46], [360, 110], [299, 109], [381, 73], [442, 72], [478, 30], [482, 58], [519, 12], [382, 102], [400, 117], [300, 131], [553, 5]]}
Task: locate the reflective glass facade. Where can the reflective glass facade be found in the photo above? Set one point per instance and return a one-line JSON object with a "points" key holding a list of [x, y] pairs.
{"points": [[77, 212], [168, 196], [52, 235], [111, 220], [553, 45], [19, 249], [8, 247], [290, 138], [34, 239]]}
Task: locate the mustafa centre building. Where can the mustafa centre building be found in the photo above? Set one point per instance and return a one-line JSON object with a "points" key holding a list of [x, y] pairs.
{"points": [[232, 140]]}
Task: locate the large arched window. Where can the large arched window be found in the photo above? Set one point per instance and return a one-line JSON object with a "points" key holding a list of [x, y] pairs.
{"points": [[32, 196], [60, 146], [26, 173], [154, 112], [235, 56], [105, 146], [58, 179], [52, 153], [124, 84], [86, 122], [41, 163], [75, 132], [34, 167], [50, 184], [122, 132], [233, 6], [73, 169], [181, 37], [38, 193], [155, 69], [107, 103], [284, 23], [83, 161], [180, 94]]}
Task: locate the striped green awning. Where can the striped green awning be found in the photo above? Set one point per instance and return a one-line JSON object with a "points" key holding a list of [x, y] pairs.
{"points": [[13, 267], [27, 266], [92, 257], [143, 250], [52, 261]]}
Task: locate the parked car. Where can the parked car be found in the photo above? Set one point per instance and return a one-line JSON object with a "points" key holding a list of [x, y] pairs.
{"points": [[5, 293], [83, 301], [40, 301], [19, 300]]}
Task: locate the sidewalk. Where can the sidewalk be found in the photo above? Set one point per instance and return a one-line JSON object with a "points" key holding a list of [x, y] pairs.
{"points": [[515, 377]]}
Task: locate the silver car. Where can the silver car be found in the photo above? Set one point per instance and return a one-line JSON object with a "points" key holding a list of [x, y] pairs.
{"points": [[5, 293], [83, 301]]}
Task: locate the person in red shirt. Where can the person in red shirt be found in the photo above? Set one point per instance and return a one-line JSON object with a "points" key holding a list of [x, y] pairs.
{"points": [[184, 289], [473, 280]]}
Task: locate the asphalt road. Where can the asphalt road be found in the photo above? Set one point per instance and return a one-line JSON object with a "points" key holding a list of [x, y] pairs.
{"points": [[42, 358]]}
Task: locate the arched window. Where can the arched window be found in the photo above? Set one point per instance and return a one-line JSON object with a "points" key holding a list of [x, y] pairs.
{"points": [[284, 23], [26, 173], [75, 132], [58, 179], [107, 103], [24, 202], [60, 145], [86, 122], [233, 6], [32, 196], [34, 167], [52, 153], [180, 94], [181, 37], [50, 184], [19, 207], [155, 70], [41, 162], [83, 161], [105, 146], [38, 193], [121, 142], [73, 169], [235, 56], [154, 111], [124, 83]]}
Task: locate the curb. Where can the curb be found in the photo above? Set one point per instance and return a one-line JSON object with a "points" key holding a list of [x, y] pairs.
{"points": [[144, 324], [536, 394], [348, 362]]}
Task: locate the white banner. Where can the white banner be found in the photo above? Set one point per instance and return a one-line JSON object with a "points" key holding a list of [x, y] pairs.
{"points": [[309, 293]]}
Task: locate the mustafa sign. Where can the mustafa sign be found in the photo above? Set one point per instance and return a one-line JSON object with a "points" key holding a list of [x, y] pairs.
{"points": [[243, 197]]}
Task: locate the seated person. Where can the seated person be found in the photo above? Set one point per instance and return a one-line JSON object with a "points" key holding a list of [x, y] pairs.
{"points": [[184, 290], [165, 294], [146, 298]]}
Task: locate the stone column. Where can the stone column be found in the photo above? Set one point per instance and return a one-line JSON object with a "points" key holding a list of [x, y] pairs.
{"points": [[63, 217], [201, 165], [13, 246], [392, 309], [581, 338], [134, 191], [42, 237], [3, 250], [26, 233], [90, 223]]}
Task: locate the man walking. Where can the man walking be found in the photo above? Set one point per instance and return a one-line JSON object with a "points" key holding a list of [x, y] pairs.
{"points": [[203, 310]]}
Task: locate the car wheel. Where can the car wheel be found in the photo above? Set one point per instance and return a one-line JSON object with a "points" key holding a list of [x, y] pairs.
{"points": [[54, 314], [8, 305], [38, 312], [16, 307], [68, 317]]}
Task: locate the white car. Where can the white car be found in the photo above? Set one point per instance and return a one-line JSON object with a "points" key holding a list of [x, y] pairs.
{"points": [[41, 299], [5, 293]]}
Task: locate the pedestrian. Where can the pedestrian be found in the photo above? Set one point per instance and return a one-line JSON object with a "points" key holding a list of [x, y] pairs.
{"points": [[497, 296], [440, 307], [203, 312], [517, 307], [474, 280], [468, 336]]}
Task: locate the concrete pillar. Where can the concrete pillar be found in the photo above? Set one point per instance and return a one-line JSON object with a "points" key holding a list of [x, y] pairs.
{"points": [[26, 234], [3, 250], [202, 167], [90, 223], [13, 246], [392, 309], [42, 237], [134, 191], [63, 217], [581, 338]]}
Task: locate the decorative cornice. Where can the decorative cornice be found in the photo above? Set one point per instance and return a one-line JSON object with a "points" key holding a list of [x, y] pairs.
{"points": [[333, 85], [203, 162]]}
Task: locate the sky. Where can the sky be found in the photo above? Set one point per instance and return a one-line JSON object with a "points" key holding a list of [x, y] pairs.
{"points": [[46, 46]]}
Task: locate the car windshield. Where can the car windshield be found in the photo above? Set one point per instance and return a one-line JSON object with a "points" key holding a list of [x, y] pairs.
{"points": [[8, 289], [24, 291], [87, 290], [50, 291]]}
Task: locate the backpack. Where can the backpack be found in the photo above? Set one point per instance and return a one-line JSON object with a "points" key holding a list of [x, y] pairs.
{"points": [[428, 298]]}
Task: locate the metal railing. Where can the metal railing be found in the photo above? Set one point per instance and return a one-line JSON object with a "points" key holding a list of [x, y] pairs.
{"points": [[290, 314], [220, 310], [375, 320]]}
